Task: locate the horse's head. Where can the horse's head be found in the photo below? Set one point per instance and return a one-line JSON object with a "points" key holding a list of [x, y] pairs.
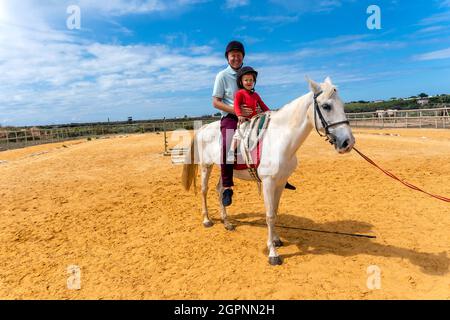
{"points": [[328, 116]]}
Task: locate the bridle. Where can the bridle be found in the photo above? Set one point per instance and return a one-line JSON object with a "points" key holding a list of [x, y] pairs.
{"points": [[330, 137]]}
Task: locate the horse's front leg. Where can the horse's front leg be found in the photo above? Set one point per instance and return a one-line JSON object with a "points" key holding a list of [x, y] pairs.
{"points": [[278, 191], [223, 211], [271, 202], [206, 172]]}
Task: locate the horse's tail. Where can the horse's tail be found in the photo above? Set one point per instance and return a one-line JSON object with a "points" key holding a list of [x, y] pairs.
{"points": [[190, 168]]}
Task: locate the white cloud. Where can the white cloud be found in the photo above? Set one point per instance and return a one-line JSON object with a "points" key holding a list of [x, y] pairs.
{"points": [[302, 6], [231, 4], [434, 55], [49, 75], [431, 29], [125, 7], [271, 19], [444, 3], [443, 17], [53, 76]]}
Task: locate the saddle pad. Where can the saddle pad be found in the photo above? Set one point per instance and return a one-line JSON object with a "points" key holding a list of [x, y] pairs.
{"points": [[248, 137]]}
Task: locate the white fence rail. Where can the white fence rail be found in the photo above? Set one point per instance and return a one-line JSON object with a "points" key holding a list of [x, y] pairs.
{"points": [[438, 118], [13, 139], [418, 118]]}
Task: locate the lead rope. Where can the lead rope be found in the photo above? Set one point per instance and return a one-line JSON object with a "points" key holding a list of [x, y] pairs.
{"points": [[332, 141], [409, 185]]}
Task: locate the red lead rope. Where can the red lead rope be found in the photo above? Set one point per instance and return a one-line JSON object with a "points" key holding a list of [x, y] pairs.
{"points": [[409, 185]]}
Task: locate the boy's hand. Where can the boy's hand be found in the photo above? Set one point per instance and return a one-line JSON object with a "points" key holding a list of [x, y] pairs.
{"points": [[241, 120]]}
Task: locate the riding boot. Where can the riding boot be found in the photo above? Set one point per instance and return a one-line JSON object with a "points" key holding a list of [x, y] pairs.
{"points": [[227, 197]]}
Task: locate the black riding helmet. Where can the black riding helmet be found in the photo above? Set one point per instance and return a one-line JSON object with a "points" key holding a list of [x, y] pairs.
{"points": [[243, 71], [234, 45]]}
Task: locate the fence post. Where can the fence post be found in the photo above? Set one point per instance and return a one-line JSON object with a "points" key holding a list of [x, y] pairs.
{"points": [[165, 136], [420, 119]]}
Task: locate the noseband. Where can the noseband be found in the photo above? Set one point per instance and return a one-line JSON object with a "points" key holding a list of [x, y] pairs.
{"points": [[331, 138]]}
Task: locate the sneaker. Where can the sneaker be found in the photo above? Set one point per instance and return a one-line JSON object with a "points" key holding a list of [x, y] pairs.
{"points": [[290, 186], [227, 197]]}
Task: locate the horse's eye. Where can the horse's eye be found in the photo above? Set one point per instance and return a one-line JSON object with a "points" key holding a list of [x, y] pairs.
{"points": [[326, 107]]}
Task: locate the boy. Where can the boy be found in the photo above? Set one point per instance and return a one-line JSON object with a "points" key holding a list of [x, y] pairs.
{"points": [[246, 97]]}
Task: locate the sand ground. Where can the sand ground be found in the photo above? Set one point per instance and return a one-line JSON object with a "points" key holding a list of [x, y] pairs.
{"points": [[115, 208]]}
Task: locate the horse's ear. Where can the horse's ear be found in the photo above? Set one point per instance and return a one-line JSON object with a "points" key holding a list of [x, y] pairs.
{"points": [[313, 86], [328, 81]]}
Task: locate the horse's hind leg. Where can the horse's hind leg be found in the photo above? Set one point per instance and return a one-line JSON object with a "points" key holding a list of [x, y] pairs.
{"points": [[205, 174], [223, 210], [276, 239]]}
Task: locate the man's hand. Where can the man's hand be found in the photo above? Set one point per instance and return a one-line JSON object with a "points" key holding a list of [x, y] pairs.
{"points": [[246, 111], [241, 120]]}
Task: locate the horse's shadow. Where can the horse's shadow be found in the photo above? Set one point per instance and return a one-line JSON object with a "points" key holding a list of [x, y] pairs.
{"points": [[310, 242]]}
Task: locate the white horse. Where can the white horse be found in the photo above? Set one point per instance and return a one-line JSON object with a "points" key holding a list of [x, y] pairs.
{"points": [[380, 114], [288, 128]]}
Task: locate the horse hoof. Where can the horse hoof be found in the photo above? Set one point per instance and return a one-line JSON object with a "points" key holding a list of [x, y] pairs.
{"points": [[208, 224], [275, 261], [278, 243], [230, 227]]}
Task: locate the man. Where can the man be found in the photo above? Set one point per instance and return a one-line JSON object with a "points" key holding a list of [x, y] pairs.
{"points": [[223, 99], [225, 87]]}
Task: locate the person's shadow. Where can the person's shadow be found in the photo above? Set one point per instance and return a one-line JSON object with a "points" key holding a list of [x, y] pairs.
{"points": [[328, 242]]}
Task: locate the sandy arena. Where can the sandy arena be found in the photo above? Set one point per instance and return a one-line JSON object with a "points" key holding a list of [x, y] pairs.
{"points": [[115, 208]]}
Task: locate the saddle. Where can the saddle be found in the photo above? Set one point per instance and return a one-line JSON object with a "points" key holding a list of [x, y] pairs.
{"points": [[247, 143]]}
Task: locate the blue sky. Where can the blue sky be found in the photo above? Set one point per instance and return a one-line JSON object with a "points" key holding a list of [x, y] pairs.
{"points": [[151, 58]]}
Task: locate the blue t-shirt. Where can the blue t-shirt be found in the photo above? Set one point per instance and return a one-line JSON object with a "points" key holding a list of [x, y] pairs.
{"points": [[225, 87]]}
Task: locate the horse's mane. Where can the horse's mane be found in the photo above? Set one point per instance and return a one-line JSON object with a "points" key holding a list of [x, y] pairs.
{"points": [[329, 91]]}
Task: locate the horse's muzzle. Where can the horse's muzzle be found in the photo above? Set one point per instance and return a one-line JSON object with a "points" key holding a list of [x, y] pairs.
{"points": [[344, 145]]}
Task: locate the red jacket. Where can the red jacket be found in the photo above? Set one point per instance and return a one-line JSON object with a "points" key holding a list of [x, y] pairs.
{"points": [[252, 100]]}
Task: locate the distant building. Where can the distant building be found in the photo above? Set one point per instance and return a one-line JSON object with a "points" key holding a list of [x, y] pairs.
{"points": [[423, 101]]}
